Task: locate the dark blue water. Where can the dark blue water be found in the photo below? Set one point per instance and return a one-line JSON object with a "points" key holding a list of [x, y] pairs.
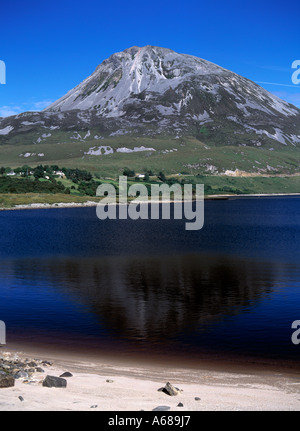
{"points": [[146, 286]]}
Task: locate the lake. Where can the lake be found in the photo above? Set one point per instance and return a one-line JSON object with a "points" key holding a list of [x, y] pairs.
{"points": [[149, 287]]}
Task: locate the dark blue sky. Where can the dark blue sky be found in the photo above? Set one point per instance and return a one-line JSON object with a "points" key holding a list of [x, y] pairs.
{"points": [[49, 47]]}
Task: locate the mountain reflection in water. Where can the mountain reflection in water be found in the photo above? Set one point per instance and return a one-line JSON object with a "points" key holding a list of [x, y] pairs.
{"points": [[190, 301]]}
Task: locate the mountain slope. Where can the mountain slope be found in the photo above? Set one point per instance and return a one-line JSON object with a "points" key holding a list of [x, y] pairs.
{"points": [[157, 85], [155, 94]]}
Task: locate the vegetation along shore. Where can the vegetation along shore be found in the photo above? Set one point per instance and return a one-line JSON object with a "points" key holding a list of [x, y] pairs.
{"points": [[54, 186]]}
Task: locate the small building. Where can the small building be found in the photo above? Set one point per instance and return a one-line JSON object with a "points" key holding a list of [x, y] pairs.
{"points": [[60, 174]]}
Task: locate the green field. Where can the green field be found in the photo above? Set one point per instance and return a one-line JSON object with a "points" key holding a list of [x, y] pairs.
{"points": [[186, 155], [250, 185]]}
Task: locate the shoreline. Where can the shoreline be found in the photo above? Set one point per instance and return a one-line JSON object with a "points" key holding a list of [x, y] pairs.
{"points": [[221, 361], [116, 384], [90, 203]]}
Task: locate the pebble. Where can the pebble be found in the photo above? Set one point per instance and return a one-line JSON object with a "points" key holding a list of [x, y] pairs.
{"points": [[21, 375], [161, 408], [47, 363]]}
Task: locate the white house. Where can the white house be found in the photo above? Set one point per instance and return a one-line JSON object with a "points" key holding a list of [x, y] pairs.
{"points": [[59, 173]]}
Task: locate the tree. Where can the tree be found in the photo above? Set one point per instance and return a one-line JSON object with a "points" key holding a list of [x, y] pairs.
{"points": [[48, 170], [18, 171], [128, 172], [25, 171], [162, 176], [38, 172]]}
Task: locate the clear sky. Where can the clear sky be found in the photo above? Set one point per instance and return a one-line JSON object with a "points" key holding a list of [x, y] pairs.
{"points": [[51, 46]]}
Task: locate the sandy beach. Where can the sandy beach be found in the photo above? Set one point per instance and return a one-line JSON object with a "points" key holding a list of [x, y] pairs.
{"points": [[89, 203], [105, 384]]}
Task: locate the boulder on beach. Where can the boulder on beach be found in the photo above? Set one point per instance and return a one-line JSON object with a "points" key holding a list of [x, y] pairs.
{"points": [[6, 381], [54, 382], [169, 389]]}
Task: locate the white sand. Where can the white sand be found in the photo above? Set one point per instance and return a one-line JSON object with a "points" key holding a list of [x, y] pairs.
{"points": [[134, 388]]}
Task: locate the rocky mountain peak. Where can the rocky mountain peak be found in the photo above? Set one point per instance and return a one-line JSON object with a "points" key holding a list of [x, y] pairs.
{"points": [[155, 92]]}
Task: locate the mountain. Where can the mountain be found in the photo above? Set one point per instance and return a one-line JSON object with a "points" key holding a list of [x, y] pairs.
{"points": [[147, 104]]}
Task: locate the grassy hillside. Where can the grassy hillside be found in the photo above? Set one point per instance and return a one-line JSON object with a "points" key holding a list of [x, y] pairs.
{"points": [[185, 155]]}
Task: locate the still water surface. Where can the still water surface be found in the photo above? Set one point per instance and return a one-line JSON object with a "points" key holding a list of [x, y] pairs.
{"points": [[145, 287]]}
